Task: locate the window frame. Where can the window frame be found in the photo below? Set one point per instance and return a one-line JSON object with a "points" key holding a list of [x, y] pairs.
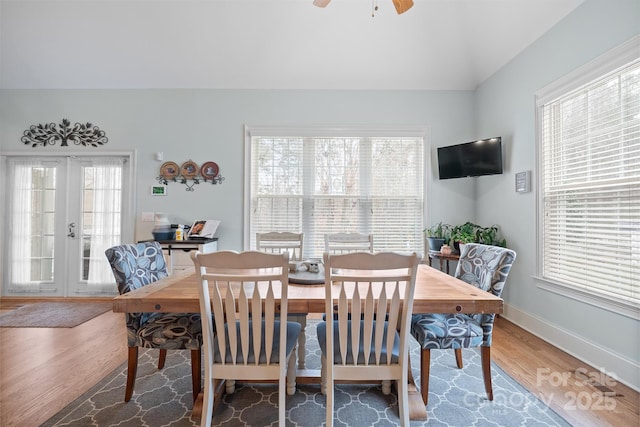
{"points": [[327, 132], [595, 70]]}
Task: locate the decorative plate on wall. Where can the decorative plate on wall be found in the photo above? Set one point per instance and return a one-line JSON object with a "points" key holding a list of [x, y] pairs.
{"points": [[169, 170], [189, 169], [209, 170]]}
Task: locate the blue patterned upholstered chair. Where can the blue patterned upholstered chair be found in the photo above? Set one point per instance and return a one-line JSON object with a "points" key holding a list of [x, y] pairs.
{"points": [[138, 265], [487, 268]]}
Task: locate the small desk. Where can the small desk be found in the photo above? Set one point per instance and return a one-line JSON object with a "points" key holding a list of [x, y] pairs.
{"points": [[443, 259], [177, 251], [436, 292]]}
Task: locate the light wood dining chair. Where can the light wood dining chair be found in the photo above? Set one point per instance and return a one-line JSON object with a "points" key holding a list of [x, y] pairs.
{"points": [[245, 287], [281, 241], [378, 290], [340, 243], [277, 242]]}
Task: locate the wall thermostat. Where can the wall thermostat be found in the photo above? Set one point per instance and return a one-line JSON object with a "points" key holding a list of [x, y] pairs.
{"points": [[523, 182]]}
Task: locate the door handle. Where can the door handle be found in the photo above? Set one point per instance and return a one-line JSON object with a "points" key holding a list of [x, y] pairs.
{"points": [[72, 228]]}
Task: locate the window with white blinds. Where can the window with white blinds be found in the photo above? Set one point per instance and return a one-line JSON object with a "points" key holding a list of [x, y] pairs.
{"points": [[589, 158], [328, 182]]}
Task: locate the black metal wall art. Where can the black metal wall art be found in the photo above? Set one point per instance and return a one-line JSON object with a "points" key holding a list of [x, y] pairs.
{"points": [[84, 134]]}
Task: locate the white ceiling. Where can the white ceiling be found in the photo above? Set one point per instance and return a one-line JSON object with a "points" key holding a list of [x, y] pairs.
{"points": [[265, 44]]}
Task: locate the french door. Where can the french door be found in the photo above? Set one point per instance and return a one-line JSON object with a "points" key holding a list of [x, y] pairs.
{"points": [[61, 214]]}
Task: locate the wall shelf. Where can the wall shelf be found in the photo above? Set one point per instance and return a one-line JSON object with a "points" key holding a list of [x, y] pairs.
{"points": [[190, 174], [190, 182]]}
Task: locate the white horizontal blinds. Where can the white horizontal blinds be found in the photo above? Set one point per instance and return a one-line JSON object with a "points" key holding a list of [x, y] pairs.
{"points": [[591, 186], [320, 185], [276, 185], [339, 202], [397, 188]]}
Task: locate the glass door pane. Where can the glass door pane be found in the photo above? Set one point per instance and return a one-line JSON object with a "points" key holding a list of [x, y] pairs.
{"points": [[32, 208], [63, 213], [43, 224], [99, 223]]}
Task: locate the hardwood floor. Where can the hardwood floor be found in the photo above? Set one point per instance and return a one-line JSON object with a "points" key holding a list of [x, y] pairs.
{"points": [[539, 367], [42, 370]]}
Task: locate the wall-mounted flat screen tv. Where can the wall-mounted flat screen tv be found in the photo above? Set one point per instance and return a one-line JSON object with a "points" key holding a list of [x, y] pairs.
{"points": [[476, 158]]}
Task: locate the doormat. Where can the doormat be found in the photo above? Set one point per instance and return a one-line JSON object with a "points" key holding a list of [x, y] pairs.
{"points": [[53, 314]]}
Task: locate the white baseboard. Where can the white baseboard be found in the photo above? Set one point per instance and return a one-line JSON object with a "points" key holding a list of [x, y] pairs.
{"points": [[618, 367]]}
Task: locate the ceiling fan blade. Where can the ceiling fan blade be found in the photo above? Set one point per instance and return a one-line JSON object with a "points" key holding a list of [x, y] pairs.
{"points": [[401, 5], [322, 3]]}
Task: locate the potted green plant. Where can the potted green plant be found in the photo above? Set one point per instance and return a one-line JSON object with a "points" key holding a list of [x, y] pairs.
{"points": [[438, 235], [474, 233], [490, 236], [463, 233]]}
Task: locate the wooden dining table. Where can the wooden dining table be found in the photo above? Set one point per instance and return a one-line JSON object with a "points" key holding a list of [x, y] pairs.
{"points": [[435, 292]]}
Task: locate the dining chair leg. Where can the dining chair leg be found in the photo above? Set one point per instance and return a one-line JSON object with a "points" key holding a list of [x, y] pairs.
{"points": [[282, 391], [196, 373], [208, 402], [425, 362], [323, 375], [291, 373], [162, 357], [403, 402], [485, 356], [458, 352], [329, 388], [302, 341], [132, 370]]}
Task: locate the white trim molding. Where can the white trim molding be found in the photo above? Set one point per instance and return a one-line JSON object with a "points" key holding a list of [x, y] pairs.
{"points": [[614, 305], [615, 58], [626, 370]]}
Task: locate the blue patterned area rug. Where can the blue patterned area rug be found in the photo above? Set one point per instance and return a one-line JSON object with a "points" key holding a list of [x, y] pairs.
{"points": [[163, 398]]}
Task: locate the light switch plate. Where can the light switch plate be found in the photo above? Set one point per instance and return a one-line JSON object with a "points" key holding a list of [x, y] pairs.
{"points": [[148, 217]]}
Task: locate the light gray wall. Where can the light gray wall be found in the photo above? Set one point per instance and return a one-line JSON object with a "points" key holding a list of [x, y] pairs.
{"points": [[207, 125], [505, 106]]}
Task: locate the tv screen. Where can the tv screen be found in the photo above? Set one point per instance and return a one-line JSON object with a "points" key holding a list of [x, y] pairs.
{"points": [[483, 157]]}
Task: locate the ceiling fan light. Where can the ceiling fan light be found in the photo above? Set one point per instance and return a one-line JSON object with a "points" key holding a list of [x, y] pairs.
{"points": [[402, 5], [321, 3]]}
